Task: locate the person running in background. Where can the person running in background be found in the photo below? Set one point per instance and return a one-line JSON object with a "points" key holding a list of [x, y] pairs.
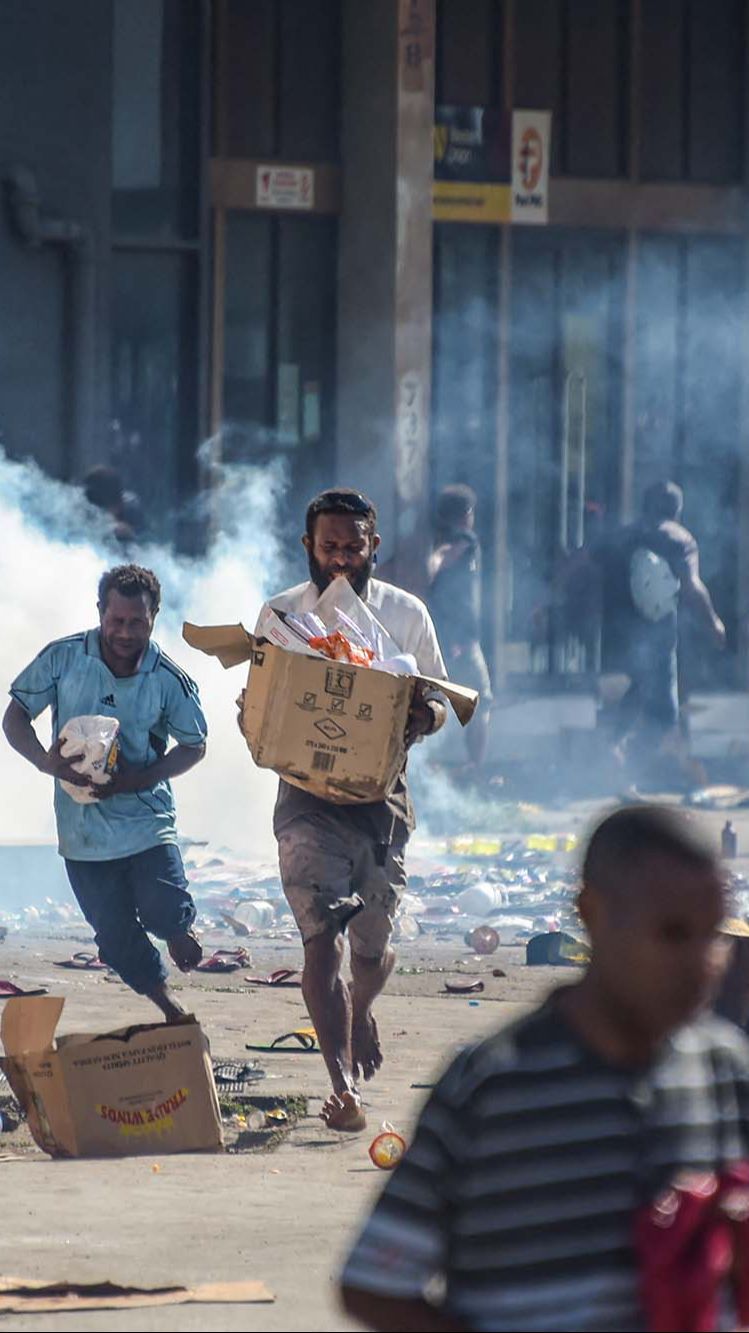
{"points": [[120, 850], [518, 1203], [454, 600], [650, 570]]}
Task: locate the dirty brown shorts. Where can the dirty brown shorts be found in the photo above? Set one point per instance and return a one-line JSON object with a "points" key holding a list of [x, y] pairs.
{"points": [[323, 860]]}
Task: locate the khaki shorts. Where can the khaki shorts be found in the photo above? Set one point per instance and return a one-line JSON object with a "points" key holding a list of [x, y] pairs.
{"points": [[323, 860]]}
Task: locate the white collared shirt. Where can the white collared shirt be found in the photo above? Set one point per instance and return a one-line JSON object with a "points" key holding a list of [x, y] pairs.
{"points": [[404, 616]]}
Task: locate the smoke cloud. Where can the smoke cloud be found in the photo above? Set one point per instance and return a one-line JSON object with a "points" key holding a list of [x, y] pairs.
{"points": [[54, 549]]}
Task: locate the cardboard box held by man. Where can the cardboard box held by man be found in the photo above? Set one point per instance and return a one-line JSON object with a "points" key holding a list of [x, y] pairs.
{"points": [[333, 728]]}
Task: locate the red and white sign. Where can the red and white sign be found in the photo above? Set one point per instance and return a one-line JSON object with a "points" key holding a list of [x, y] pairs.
{"points": [[531, 144], [285, 187]]}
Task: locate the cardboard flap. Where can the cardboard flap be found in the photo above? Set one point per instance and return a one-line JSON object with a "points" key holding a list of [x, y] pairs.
{"points": [[29, 1023], [463, 700], [124, 1035], [231, 644]]}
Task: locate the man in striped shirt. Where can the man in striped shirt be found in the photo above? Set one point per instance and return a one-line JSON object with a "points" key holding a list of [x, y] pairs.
{"points": [[515, 1206]]}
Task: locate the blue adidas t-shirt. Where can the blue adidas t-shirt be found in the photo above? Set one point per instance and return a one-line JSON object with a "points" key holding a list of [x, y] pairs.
{"points": [[160, 701]]}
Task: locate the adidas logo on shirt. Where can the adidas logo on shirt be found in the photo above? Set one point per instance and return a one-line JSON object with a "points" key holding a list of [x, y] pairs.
{"points": [[109, 701]]}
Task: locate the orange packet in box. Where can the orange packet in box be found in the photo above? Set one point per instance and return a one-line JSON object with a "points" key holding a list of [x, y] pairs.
{"points": [[336, 646]]}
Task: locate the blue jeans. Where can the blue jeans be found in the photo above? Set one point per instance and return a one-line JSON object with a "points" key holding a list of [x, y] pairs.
{"points": [[125, 898]]}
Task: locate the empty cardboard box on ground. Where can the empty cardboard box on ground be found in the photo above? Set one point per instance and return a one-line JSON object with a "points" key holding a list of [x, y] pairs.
{"points": [[331, 728], [118, 1094]]}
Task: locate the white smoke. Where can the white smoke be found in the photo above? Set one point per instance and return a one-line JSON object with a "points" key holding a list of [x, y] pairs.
{"points": [[53, 551]]}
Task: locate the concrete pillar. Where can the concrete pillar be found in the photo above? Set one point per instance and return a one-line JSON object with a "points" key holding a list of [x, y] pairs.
{"points": [[385, 267]]}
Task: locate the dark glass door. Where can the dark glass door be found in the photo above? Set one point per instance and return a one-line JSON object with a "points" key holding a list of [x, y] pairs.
{"points": [[565, 384], [274, 345]]}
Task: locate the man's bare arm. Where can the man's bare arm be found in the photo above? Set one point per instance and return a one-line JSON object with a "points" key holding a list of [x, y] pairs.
{"points": [[427, 715], [131, 778], [696, 595], [20, 733]]}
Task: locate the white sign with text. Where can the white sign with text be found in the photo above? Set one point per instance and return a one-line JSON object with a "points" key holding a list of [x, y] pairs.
{"points": [[285, 187], [531, 146]]}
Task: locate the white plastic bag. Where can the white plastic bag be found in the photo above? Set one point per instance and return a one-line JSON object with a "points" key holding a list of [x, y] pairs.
{"points": [[96, 739], [340, 596], [403, 665]]}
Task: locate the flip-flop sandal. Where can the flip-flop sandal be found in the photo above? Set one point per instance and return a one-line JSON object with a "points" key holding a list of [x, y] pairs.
{"points": [[83, 962], [224, 960], [464, 987], [306, 1044], [281, 977], [8, 990], [232, 1074]]}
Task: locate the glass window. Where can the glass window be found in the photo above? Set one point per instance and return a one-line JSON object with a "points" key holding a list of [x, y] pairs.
{"points": [[466, 266], [154, 381], [248, 348], [691, 294], [156, 117], [306, 323], [464, 388], [657, 364], [279, 332], [565, 430], [714, 312]]}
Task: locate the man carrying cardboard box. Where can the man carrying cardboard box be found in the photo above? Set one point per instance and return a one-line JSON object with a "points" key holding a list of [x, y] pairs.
{"points": [[120, 849], [344, 864]]}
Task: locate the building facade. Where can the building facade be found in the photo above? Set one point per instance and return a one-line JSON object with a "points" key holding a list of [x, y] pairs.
{"points": [[221, 242]]}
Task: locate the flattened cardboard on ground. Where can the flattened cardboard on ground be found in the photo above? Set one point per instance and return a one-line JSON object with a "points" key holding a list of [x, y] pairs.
{"points": [[114, 1094], [19, 1296], [327, 727]]}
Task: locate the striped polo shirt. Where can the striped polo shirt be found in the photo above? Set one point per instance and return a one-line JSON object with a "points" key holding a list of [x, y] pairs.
{"points": [[517, 1196]]}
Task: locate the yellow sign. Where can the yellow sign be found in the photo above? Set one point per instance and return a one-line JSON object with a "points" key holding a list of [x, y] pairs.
{"points": [[469, 201]]}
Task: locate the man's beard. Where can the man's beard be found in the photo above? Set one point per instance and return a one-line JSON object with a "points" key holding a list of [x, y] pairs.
{"points": [[322, 580]]}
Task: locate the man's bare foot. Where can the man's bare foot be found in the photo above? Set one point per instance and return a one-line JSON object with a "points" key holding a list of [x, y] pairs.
{"points": [[366, 1052], [165, 1001], [344, 1112], [185, 950]]}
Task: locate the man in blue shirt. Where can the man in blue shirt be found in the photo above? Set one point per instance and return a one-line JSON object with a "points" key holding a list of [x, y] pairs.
{"points": [[120, 850]]}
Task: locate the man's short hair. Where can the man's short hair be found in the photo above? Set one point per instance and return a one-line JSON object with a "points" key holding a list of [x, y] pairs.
{"points": [[130, 581], [664, 499], [341, 500], [625, 840], [454, 504]]}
